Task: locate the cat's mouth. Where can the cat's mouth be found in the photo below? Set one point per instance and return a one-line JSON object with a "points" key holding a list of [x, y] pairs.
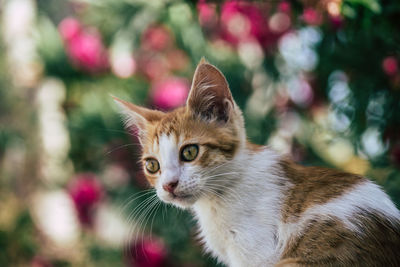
{"points": [[180, 196], [181, 200]]}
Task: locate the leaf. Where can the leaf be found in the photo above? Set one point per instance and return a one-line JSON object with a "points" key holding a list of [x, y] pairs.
{"points": [[372, 5]]}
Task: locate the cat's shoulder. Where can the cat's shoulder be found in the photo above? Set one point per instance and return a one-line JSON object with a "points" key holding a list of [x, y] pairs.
{"points": [[318, 189], [322, 176], [330, 242], [331, 217]]}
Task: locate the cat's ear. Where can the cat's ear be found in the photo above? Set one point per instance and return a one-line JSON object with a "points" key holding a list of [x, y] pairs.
{"points": [[210, 97], [139, 117]]}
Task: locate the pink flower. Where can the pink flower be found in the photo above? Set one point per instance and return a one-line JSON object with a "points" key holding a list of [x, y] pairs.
{"points": [[69, 28], [87, 51], [84, 48], [147, 253], [86, 192], [157, 38], [279, 22], [284, 6], [300, 92], [337, 21], [312, 16], [206, 12], [243, 20], [177, 60], [154, 67], [170, 93], [39, 261], [390, 66]]}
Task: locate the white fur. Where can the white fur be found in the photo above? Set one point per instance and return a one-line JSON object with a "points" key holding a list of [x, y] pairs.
{"points": [[241, 228], [365, 196], [173, 170]]}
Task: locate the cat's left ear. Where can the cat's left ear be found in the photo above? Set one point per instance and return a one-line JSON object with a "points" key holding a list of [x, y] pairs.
{"points": [[210, 97], [139, 117]]}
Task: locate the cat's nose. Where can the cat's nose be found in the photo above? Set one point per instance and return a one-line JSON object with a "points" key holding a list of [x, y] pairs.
{"points": [[170, 187]]}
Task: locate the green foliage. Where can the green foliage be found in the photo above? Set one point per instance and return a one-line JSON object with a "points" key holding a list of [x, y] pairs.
{"points": [[18, 244]]}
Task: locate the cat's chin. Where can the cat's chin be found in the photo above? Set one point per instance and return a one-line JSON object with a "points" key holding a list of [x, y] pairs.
{"points": [[184, 202]]}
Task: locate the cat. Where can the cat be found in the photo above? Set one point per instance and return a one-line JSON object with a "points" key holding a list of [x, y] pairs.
{"points": [[253, 206]]}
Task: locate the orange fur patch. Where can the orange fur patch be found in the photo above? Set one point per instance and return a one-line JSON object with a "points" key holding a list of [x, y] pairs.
{"points": [[329, 243], [254, 148], [312, 186]]}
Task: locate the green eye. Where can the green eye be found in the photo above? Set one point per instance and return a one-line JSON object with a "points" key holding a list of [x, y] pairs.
{"points": [[152, 165], [189, 152]]}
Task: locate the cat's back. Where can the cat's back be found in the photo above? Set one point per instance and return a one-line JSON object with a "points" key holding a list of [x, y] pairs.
{"points": [[333, 218]]}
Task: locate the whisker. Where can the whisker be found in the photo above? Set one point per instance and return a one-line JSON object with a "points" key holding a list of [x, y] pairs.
{"points": [[217, 188], [215, 193], [119, 147], [221, 174], [216, 167], [159, 204], [141, 214], [134, 197], [137, 211], [221, 186], [142, 226]]}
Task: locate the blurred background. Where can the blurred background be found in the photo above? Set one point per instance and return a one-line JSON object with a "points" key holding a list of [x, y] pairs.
{"points": [[317, 79]]}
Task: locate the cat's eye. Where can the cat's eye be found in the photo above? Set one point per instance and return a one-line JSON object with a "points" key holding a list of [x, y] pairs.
{"points": [[189, 152], [152, 165]]}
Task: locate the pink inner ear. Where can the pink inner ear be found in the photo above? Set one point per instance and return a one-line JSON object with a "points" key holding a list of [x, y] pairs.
{"points": [[210, 95]]}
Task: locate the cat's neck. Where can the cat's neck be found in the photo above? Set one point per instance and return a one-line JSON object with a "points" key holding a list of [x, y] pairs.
{"points": [[253, 177], [249, 204], [254, 170]]}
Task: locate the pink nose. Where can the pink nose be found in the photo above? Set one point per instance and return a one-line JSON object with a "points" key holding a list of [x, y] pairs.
{"points": [[170, 187]]}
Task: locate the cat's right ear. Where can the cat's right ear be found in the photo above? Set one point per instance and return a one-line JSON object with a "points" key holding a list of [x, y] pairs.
{"points": [[210, 97], [139, 117]]}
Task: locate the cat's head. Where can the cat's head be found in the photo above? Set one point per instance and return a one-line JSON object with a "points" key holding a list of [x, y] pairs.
{"points": [[187, 152]]}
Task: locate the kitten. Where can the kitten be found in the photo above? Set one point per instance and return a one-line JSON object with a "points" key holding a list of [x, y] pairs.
{"points": [[254, 207]]}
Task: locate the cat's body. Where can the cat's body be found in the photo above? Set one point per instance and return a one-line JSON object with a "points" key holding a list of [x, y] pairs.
{"points": [[254, 207], [349, 222]]}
